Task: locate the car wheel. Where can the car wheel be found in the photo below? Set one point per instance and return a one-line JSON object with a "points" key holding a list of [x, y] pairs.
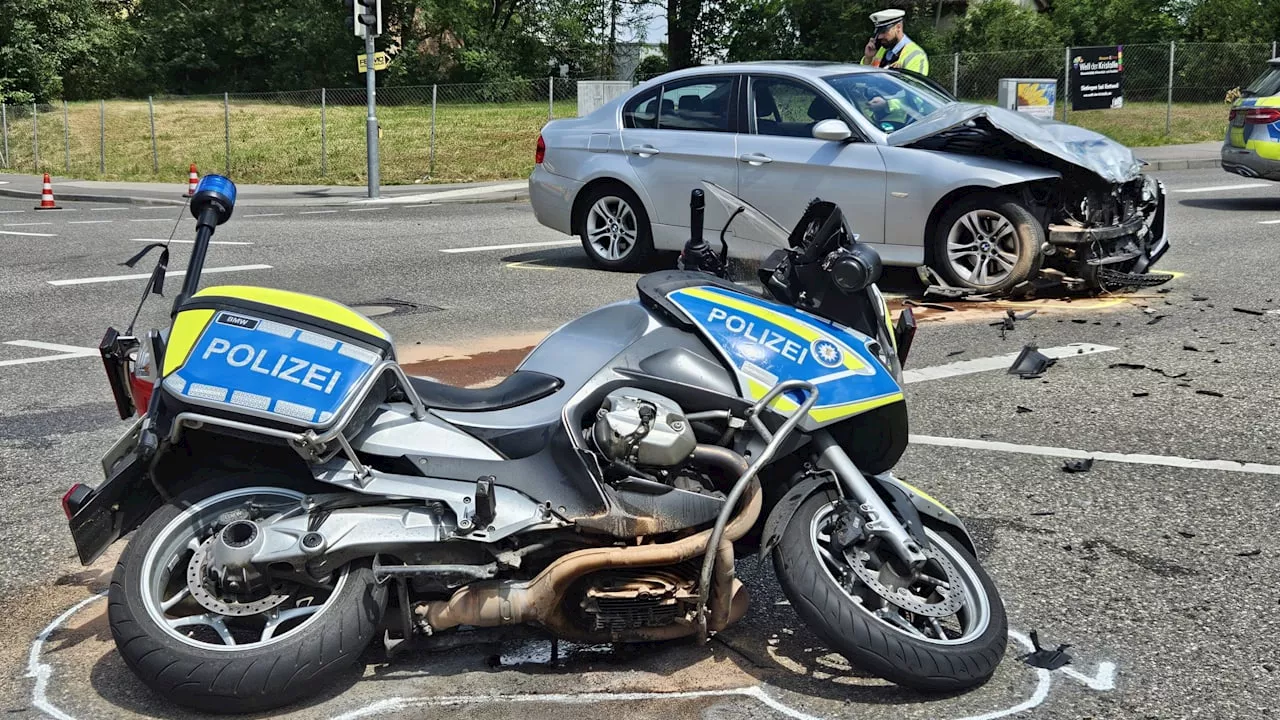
{"points": [[615, 228], [988, 243]]}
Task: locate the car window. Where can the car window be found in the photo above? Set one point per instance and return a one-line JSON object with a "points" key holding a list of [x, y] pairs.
{"points": [[1266, 85], [701, 104], [786, 107], [891, 101]]}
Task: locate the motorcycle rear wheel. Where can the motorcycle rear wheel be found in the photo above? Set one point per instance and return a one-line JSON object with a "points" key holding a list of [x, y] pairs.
{"points": [[238, 661], [893, 644]]}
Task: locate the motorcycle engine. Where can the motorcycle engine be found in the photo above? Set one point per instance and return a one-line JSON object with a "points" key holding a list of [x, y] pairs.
{"points": [[641, 428]]}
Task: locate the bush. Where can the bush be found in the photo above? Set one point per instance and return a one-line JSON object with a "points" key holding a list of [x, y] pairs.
{"points": [[1003, 25], [650, 66]]}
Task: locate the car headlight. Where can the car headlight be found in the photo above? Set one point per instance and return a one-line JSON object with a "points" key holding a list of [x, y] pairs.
{"points": [[1148, 189]]}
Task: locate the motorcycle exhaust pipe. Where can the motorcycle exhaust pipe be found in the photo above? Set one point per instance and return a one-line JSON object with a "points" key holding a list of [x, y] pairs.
{"points": [[539, 600]]}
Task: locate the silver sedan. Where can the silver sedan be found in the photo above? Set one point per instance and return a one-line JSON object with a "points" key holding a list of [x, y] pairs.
{"points": [[990, 200]]}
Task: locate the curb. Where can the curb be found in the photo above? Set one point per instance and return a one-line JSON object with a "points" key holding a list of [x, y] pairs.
{"points": [[88, 197], [1156, 165]]}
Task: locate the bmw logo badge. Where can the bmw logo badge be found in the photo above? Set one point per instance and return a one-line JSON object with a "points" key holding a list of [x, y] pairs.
{"points": [[826, 353]]}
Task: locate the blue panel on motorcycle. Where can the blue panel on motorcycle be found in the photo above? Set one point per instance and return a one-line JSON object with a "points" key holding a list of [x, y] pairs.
{"points": [[267, 368]]}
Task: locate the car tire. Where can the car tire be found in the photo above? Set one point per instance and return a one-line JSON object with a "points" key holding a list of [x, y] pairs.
{"points": [[989, 243], [614, 228]]}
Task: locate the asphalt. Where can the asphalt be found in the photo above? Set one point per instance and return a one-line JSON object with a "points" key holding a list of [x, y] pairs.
{"points": [[1164, 571]]}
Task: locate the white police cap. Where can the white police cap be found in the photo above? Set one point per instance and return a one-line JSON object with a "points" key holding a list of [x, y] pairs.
{"points": [[887, 18]]}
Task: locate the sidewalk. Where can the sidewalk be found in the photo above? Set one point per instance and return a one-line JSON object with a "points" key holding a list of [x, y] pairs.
{"points": [[143, 193], [1165, 157]]}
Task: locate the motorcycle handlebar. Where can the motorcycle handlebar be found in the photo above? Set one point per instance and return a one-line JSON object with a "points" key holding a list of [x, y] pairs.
{"points": [[697, 210]]}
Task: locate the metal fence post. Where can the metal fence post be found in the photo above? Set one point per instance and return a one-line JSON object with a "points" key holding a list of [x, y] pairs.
{"points": [[1273, 50], [1066, 83], [431, 164], [551, 98], [66, 139], [226, 128], [102, 137], [4, 121], [35, 136], [955, 72], [324, 144], [1168, 108], [155, 156]]}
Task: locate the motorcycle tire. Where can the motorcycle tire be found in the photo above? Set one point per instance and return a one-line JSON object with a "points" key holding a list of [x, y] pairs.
{"points": [[219, 679], [873, 644]]}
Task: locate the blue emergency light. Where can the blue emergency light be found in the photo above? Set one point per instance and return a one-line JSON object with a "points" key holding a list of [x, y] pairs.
{"points": [[216, 192]]}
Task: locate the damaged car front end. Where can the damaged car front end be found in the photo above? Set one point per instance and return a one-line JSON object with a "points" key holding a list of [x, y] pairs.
{"points": [[1103, 219]]}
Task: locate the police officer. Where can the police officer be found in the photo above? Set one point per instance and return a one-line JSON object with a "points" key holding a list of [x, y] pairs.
{"points": [[890, 46]]}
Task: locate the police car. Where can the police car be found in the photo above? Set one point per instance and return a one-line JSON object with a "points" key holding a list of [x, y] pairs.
{"points": [[1252, 147]]}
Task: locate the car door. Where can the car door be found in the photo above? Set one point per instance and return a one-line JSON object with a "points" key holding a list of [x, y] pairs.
{"points": [[675, 136], [781, 166]]}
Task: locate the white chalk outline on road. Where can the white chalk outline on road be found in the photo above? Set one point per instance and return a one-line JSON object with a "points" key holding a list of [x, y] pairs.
{"points": [[189, 242], [143, 276], [1215, 188], [510, 246], [430, 198], [1128, 458], [65, 352], [26, 234], [42, 672], [997, 362]]}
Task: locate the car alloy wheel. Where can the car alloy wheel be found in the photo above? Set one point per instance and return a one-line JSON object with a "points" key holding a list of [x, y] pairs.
{"points": [[611, 228], [982, 247]]}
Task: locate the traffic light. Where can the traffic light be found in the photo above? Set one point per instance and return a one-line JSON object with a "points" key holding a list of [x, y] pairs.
{"points": [[366, 16]]}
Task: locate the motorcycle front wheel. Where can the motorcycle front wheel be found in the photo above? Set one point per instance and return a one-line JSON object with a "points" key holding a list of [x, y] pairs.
{"points": [[200, 647], [941, 631]]}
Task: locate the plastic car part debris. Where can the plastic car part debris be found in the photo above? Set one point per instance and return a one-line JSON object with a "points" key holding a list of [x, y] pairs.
{"points": [[1023, 409], [1250, 553], [1248, 311], [1141, 393], [1127, 366], [1155, 319], [932, 306], [1199, 298], [1043, 513], [954, 353], [1047, 659], [1081, 465], [1114, 280], [1030, 363], [1190, 347], [1210, 393]]}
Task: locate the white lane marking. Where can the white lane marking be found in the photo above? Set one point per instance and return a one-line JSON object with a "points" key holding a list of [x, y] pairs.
{"points": [[65, 352], [88, 222], [447, 194], [317, 212], [189, 242], [10, 212], [366, 209], [143, 276], [1269, 222], [110, 209], [263, 215], [42, 672], [150, 220], [407, 206], [157, 207], [997, 362], [24, 224], [1130, 458], [511, 246], [1215, 188], [26, 234]]}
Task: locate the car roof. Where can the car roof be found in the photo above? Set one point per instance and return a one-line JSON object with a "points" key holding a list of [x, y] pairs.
{"points": [[800, 68]]}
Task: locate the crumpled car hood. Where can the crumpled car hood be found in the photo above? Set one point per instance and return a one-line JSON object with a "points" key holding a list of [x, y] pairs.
{"points": [[1084, 148]]}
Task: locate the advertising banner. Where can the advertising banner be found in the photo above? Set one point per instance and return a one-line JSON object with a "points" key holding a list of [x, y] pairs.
{"points": [[1097, 78]]}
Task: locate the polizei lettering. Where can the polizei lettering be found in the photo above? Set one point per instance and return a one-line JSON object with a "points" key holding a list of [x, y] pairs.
{"points": [[766, 336], [291, 369]]}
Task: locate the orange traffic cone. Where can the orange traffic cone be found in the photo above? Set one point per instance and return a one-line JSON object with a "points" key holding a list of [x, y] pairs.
{"points": [[46, 196], [192, 179]]}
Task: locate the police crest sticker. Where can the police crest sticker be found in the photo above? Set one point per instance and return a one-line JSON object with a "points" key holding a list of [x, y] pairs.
{"points": [[827, 353]]}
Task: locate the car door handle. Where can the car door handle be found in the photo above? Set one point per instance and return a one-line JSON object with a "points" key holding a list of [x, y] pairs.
{"points": [[756, 159], [645, 150]]}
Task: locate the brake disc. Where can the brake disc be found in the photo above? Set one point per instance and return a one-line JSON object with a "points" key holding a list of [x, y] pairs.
{"points": [[952, 596], [196, 579]]}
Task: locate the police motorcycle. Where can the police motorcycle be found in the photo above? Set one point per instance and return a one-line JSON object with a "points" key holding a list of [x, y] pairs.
{"points": [[292, 493]]}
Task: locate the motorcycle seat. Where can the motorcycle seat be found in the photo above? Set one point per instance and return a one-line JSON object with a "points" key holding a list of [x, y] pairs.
{"points": [[519, 388]]}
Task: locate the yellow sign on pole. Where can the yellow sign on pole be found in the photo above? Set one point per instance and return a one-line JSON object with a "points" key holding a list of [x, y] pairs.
{"points": [[380, 61]]}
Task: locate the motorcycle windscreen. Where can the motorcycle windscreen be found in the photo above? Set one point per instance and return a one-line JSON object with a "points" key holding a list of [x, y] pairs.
{"points": [[761, 225], [767, 343], [266, 368]]}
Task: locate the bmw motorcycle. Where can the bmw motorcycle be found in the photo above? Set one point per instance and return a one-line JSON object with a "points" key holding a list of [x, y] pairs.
{"points": [[292, 493]]}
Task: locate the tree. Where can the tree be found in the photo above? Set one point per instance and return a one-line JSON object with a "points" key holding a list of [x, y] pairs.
{"points": [[1127, 22], [52, 47], [1003, 25]]}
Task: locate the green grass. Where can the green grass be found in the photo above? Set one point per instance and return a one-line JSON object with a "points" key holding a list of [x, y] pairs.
{"points": [[280, 144]]}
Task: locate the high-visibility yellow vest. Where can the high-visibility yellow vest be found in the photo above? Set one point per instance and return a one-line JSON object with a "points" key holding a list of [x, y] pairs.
{"points": [[913, 58]]}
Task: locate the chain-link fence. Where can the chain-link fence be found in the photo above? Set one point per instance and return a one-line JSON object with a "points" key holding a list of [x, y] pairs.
{"points": [[460, 133]]}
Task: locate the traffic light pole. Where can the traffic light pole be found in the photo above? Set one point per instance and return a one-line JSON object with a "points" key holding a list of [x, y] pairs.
{"points": [[371, 123]]}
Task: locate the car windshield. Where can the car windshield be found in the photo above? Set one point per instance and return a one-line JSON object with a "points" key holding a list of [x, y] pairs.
{"points": [[891, 101], [1268, 84]]}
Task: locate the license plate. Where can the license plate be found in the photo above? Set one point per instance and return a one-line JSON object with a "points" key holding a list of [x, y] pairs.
{"points": [[268, 368]]}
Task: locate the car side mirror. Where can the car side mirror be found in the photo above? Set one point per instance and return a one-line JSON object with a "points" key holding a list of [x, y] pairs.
{"points": [[833, 130]]}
